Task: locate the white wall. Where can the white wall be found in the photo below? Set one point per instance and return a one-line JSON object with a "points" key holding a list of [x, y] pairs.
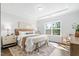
{"points": [[67, 20], [0, 29], [11, 21]]}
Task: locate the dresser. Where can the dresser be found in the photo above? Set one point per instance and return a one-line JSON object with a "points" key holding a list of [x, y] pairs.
{"points": [[74, 46], [8, 41]]}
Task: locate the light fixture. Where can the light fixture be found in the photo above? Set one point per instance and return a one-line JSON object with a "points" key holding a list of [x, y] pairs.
{"points": [[40, 8]]}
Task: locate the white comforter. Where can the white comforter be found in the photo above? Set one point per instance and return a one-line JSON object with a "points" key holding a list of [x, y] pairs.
{"points": [[20, 38], [31, 40]]}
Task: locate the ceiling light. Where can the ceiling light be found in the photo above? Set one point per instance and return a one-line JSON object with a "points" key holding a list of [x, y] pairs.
{"points": [[40, 8]]}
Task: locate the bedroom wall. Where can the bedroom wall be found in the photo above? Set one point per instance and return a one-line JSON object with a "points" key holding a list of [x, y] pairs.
{"points": [[11, 21], [67, 20], [0, 29]]}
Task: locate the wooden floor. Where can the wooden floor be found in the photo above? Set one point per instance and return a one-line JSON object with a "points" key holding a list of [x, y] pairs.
{"points": [[5, 52]]}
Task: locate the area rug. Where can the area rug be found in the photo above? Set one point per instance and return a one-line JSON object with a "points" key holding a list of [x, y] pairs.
{"points": [[43, 51]]}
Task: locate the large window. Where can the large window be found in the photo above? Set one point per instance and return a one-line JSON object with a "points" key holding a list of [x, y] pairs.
{"points": [[53, 28]]}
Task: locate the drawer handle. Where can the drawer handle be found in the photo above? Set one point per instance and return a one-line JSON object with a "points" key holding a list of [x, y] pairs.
{"points": [[13, 38]]}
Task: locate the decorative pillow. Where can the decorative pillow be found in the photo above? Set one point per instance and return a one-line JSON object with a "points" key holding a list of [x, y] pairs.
{"points": [[24, 32]]}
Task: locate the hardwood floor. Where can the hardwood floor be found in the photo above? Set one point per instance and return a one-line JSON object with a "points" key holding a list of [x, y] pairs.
{"points": [[5, 52]]}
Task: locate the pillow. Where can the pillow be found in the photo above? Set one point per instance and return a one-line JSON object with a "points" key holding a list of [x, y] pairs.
{"points": [[24, 32]]}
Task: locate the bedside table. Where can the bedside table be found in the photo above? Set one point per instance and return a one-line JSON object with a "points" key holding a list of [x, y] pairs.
{"points": [[8, 41]]}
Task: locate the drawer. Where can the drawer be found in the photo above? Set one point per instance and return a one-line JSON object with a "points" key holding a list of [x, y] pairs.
{"points": [[5, 42], [8, 40], [74, 49]]}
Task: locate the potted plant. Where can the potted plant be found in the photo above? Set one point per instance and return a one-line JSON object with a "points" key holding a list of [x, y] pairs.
{"points": [[77, 31]]}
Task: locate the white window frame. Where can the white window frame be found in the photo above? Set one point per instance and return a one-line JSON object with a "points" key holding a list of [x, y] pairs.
{"points": [[51, 28]]}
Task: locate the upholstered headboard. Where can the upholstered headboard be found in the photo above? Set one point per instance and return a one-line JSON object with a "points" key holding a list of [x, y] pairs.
{"points": [[28, 30]]}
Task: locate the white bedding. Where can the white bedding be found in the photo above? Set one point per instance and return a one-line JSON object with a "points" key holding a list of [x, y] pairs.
{"points": [[20, 37], [31, 39], [29, 35]]}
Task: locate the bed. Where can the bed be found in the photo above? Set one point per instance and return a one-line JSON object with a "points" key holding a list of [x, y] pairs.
{"points": [[27, 39]]}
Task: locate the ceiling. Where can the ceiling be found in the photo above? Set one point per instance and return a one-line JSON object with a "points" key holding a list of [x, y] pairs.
{"points": [[36, 10]]}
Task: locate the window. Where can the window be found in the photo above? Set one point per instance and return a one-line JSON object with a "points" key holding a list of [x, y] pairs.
{"points": [[48, 28], [52, 28]]}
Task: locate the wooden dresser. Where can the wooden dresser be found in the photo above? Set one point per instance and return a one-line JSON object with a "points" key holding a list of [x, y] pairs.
{"points": [[74, 47]]}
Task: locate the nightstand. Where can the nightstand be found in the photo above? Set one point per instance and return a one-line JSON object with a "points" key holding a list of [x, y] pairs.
{"points": [[8, 41]]}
